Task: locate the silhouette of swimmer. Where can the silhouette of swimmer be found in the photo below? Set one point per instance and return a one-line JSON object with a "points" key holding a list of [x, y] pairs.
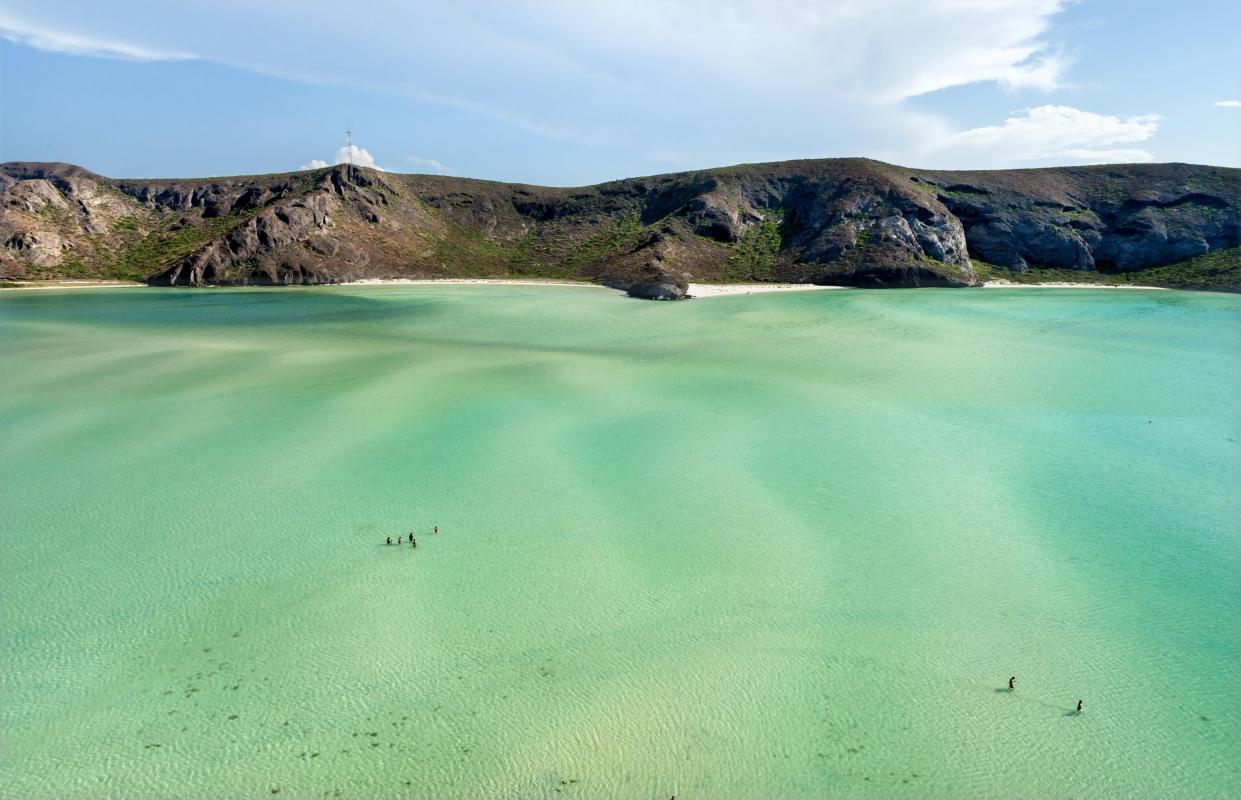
{"points": [[1010, 682], [437, 529], [400, 540], [389, 540], [413, 542], [1079, 706]]}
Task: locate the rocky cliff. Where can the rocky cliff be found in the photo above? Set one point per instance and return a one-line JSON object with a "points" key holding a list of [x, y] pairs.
{"points": [[836, 221]]}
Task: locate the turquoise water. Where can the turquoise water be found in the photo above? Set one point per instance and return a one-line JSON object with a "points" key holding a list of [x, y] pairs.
{"points": [[746, 547]]}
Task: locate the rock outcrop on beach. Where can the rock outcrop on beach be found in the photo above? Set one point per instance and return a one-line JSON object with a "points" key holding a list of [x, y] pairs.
{"points": [[849, 222]]}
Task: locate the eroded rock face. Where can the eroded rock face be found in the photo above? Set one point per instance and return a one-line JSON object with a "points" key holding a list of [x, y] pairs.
{"points": [[262, 251], [47, 211], [1106, 219], [34, 195], [835, 221], [873, 233], [43, 249], [289, 238], [721, 216], [1148, 233]]}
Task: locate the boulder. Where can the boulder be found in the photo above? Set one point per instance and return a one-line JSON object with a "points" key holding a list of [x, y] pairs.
{"points": [[668, 289]]}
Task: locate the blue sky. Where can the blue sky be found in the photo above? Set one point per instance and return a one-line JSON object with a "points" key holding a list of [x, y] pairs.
{"points": [[566, 93]]}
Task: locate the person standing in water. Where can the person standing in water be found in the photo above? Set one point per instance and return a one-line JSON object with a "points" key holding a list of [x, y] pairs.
{"points": [[1079, 706], [389, 540], [437, 530], [1010, 682], [400, 540], [413, 542]]}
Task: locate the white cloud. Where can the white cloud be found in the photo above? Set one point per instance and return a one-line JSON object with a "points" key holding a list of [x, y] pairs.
{"points": [[357, 156], [869, 49], [1052, 133], [428, 164], [617, 80], [1228, 103], [360, 158], [547, 65], [69, 43]]}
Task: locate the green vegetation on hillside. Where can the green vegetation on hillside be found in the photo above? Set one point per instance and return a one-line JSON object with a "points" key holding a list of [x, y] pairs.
{"points": [[139, 256], [461, 245], [607, 242], [1216, 271], [834, 220], [754, 254], [1219, 270]]}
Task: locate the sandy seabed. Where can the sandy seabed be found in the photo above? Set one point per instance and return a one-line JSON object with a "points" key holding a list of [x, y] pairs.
{"points": [[764, 628]]}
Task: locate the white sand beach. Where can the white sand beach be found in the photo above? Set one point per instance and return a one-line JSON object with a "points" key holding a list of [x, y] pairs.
{"points": [[66, 284], [1002, 284], [696, 290], [489, 281], [700, 290]]}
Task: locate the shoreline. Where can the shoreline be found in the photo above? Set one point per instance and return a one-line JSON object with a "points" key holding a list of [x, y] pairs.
{"points": [[696, 291], [1003, 284], [466, 281], [703, 290], [69, 284]]}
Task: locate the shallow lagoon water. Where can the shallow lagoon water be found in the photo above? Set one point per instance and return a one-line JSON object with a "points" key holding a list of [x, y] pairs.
{"points": [[768, 546]]}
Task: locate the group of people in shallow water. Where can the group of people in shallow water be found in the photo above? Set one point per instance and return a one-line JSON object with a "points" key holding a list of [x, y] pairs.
{"points": [[1012, 686], [412, 541]]}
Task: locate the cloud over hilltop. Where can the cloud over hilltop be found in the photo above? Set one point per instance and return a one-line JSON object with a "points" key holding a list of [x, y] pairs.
{"points": [[716, 81], [351, 154], [1055, 133]]}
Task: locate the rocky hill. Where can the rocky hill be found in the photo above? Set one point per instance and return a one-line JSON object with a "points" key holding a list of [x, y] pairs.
{"points": [[834, 221]]}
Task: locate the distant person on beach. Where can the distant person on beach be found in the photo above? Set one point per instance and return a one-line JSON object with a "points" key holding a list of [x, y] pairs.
{"points": [[389, 540], [1010, 682], [1079, 706]]}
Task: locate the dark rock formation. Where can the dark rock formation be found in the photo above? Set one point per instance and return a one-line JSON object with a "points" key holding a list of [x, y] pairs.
{"points": [[655, 289], [1111, 219], [661, 290], [259, 250], [837, 221]]}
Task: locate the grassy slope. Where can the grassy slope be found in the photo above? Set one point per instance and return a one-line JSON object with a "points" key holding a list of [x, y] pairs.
{"points": [[1216, 271], [140, 256]]}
